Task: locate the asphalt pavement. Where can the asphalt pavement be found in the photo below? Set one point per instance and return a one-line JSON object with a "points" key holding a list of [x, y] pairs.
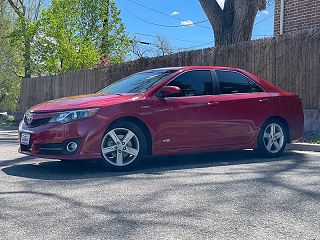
{"points": [[231, 195]]}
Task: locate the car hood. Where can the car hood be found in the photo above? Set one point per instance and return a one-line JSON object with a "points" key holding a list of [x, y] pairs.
{"points": [[83, 102]]}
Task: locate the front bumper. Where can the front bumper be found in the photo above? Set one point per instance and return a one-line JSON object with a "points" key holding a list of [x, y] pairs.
{"points": [[50, 140]]}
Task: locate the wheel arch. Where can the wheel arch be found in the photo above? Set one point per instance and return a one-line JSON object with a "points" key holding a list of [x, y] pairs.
{"points": [[145, 129], [285, 123]]}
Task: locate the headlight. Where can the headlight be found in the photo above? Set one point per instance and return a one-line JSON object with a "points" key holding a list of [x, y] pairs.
{"points": [[70, 116]]}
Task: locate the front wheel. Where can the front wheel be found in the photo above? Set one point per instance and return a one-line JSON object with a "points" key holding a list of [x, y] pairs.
{"points": [[123, 146], [272, 138]]}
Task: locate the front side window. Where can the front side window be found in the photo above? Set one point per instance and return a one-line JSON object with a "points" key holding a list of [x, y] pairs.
{"points": [[138, 83], [234, 82], [194, 83]]}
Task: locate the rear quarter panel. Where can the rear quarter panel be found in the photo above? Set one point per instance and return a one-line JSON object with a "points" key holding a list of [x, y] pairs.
{"points": [[289, 107]]}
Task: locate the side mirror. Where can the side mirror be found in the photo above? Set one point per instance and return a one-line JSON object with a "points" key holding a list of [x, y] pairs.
{"points": [[168, 91]]}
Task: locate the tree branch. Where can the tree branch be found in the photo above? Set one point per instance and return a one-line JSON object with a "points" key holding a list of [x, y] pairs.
{"points": [[15, 72], [37, 12], [262, 5], [212, 10], [23, 7], [15, 8]]}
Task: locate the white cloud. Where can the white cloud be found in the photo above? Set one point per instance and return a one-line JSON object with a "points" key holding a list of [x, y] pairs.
{"points": [[186, 23], [264, 12], [174, 13], [221, 3]]}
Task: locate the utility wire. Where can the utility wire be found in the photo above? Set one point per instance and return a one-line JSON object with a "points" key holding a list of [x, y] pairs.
{"points": [[188, 48], [175, 48], [183, 40], [153, 23], [195, 23], [174, 26], [152, 44], [263, 20], [168, 15], [176, 39]]}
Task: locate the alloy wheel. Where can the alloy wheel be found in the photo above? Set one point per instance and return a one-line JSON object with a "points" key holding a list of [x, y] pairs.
{"points": [[273, 138], [120, 147]]}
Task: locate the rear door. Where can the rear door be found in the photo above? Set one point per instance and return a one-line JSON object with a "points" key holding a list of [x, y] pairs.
{"points": [[244, 107]]}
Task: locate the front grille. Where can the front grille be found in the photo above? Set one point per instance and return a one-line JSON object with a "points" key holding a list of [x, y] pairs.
{"points": [[52, 148], [37, 122], [26, 148]]}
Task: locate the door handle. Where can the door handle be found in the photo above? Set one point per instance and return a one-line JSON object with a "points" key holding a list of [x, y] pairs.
{"points": [[213, 103]]}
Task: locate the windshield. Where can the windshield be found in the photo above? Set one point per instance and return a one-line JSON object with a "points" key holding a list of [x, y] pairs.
{"points": [[137, 83]]}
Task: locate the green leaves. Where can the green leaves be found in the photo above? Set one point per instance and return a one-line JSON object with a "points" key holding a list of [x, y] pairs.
{"points": [[60, 45], [75, 34], [114, 41], [67, 35], [10, 66]]}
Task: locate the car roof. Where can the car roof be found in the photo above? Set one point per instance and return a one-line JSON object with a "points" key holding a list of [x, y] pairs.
{"points": [[183, 68], [163, 69]]}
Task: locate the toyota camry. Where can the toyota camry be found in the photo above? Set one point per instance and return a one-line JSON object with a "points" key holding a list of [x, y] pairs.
{"points": [[165, 111]]}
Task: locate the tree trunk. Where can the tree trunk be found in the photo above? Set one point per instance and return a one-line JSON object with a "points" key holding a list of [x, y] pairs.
{"points": [[21, 12], [27, 49], [27, 57], [235, 22], [230, 34], [105, 30]]}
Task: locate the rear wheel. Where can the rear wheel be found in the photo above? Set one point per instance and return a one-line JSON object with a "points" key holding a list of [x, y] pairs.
{"points": [[272, 138], [123, 146]]}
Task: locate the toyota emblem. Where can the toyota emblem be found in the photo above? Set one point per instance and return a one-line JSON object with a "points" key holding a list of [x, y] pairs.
{"points": [[29, 118]]}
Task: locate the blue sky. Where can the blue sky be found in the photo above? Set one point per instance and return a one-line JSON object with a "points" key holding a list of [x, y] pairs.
{"points": [[188, 12]]}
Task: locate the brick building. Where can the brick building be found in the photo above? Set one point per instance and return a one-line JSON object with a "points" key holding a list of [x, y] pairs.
{"points": [[298, 15]]}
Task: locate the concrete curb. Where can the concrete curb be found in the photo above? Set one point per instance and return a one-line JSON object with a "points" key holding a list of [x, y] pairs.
{"points": [[3, 128], [304, 147]]}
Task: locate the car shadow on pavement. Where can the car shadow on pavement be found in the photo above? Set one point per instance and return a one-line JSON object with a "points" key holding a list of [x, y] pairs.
{"points": [[4, 163], [58, 170]]}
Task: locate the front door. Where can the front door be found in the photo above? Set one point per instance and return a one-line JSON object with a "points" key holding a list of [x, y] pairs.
{"points": [[190, 119]]}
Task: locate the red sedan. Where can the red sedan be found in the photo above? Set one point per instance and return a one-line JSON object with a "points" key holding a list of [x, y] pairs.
{"points": [[165, 111]]}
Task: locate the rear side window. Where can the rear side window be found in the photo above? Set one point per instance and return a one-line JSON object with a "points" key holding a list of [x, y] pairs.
{"points": [[234, 82], [194, 83]]}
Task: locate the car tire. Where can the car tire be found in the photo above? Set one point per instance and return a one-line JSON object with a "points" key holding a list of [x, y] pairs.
{"points": [[123, 147], [272, 138]]}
